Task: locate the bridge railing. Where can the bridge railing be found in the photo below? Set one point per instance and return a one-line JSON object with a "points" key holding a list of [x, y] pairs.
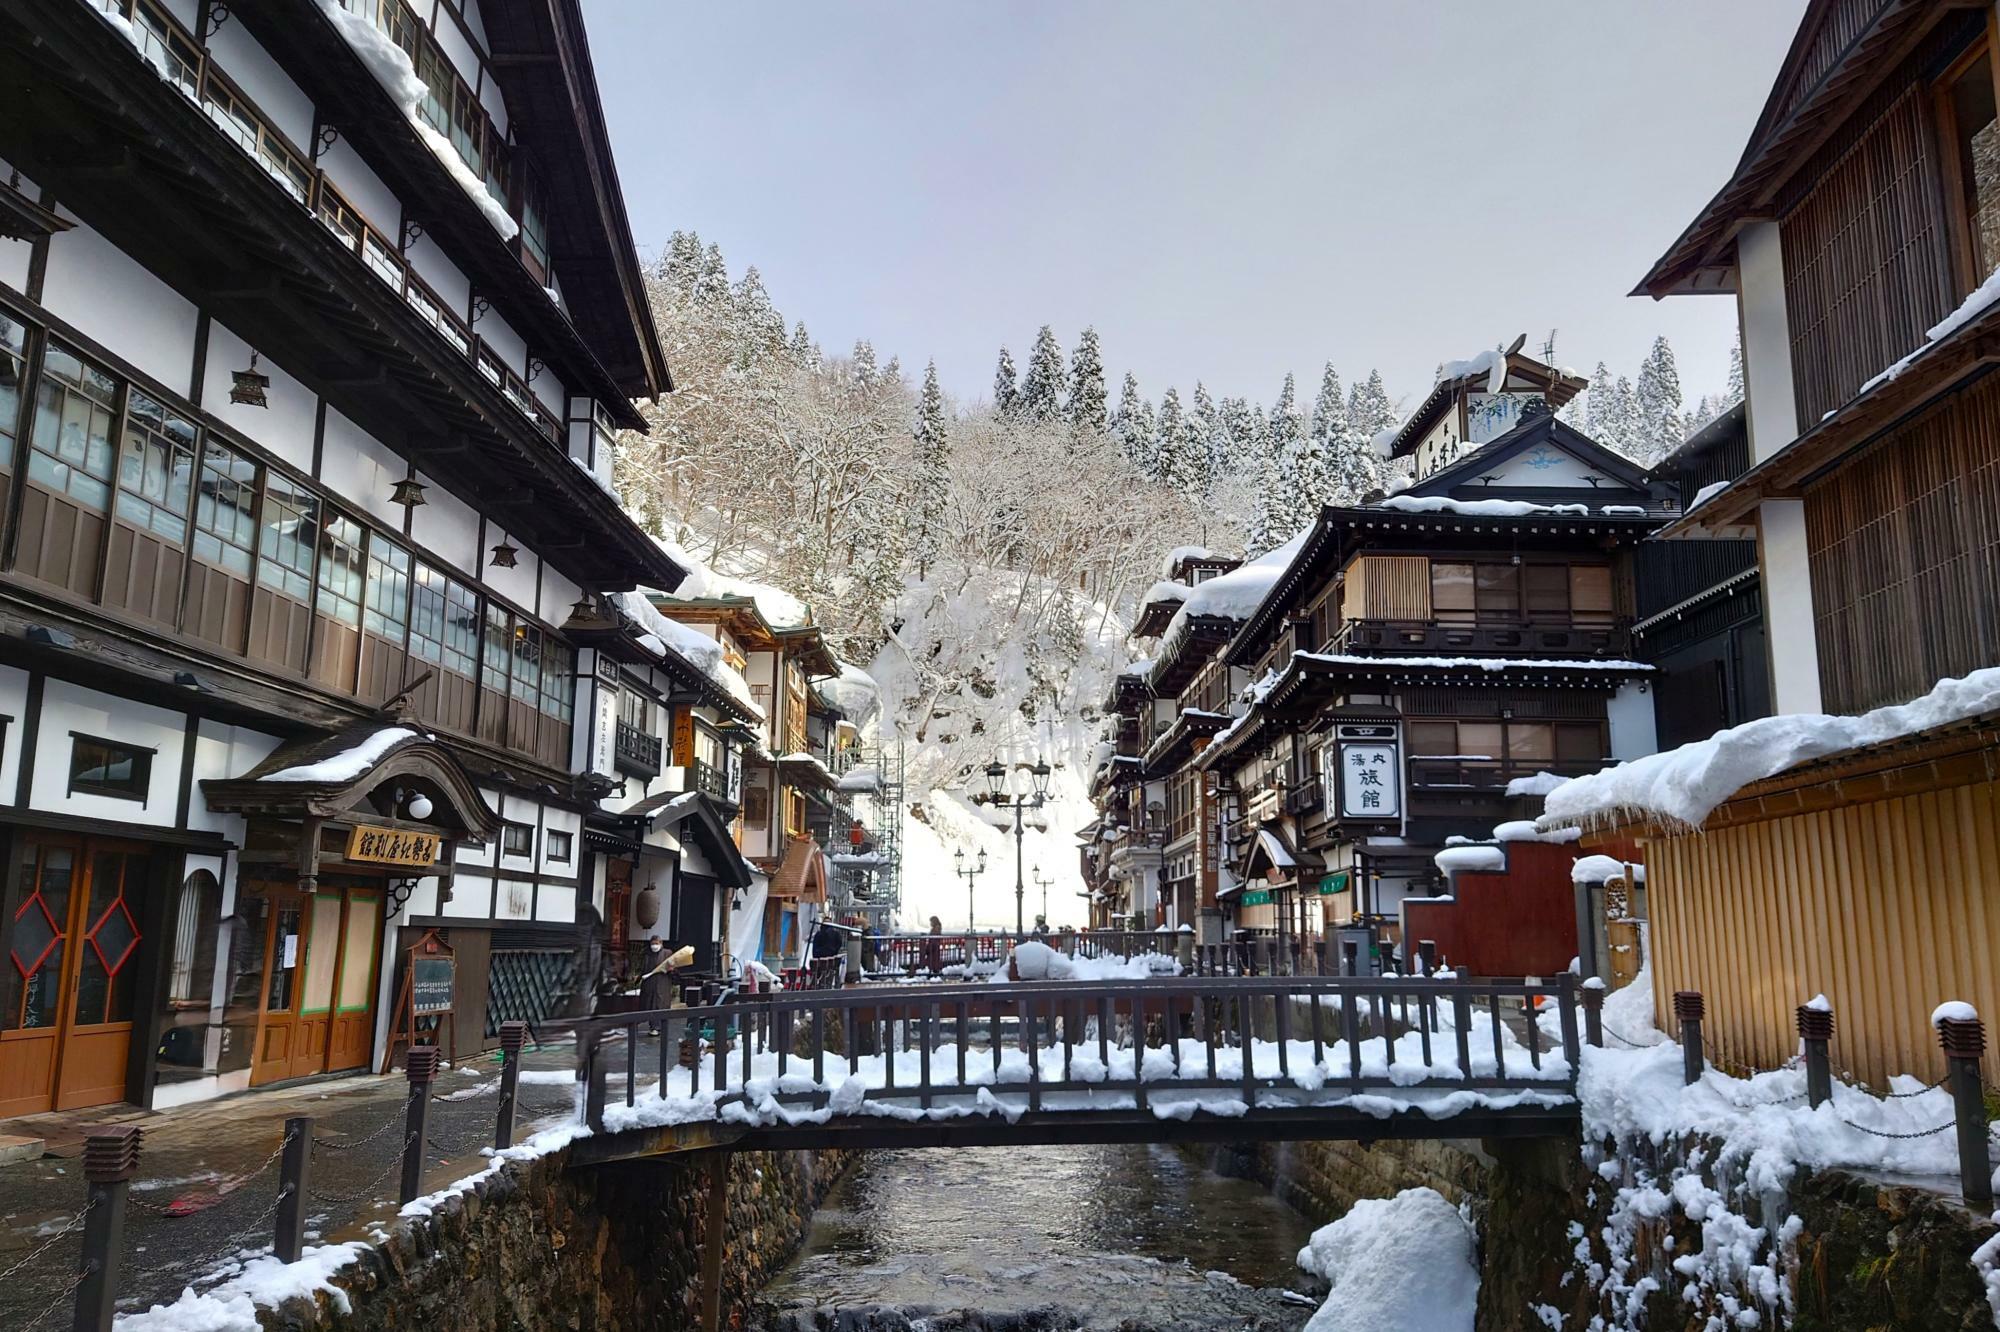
{"points": [[928, 954], [1235, 1043]]}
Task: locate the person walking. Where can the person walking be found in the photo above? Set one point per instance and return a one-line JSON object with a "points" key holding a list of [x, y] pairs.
{"points": [[934, 948], [829, 954]]}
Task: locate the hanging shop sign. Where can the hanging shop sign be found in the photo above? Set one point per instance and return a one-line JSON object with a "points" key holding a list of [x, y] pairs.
{"points": [[1335, 882], [1256, 897], [369, 845], [1370, 771]]}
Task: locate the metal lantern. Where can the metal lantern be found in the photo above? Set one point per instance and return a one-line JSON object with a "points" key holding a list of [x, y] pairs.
{"points": [[646, 906], [996, 778], [1041, 772], [247, 386], [409, 493], [503, 556]]}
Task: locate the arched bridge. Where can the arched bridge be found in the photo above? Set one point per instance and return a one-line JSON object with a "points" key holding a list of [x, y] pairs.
{"points": [[1141, 1060]]}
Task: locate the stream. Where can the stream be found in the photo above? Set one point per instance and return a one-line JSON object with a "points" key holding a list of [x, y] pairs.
{"points": [[1101, 1237]]}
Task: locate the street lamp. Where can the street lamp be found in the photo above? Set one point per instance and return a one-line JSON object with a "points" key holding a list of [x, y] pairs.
{"points": [[968, 873], [996, 785], [1042, 882]]}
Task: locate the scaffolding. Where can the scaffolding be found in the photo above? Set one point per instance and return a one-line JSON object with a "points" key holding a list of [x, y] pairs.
{"points": [[867, 879]]}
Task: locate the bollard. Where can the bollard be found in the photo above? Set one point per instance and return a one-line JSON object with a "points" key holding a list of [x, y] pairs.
{"points": [[513, 1035], [1593, 1010], [420, 1064], [110, 1159], [1688, 1010], [591, 1070], [1815, 1031], [1184, 949], [1963, 1039], [1427, 957], [288, 1239], [1350, 957]]}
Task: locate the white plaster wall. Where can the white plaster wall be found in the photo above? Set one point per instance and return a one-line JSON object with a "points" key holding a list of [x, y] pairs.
{"points": [[363, 188], [552, 392], [441, 273], [556, 903], [558, 595], [517, 809], [1790, 635], [187, 11], [423, 900], [561, 820], [109, 296], [361, 470], [285, 427], [475, 19], [499, 335], [447, 525], [1634, 732], [221, 752], [14, 705], [514, 900], [67, 707], [1559, 469], [15, 256], [482, 855], [1770, 403], [470, 895], [240, 57], [516, 584]]}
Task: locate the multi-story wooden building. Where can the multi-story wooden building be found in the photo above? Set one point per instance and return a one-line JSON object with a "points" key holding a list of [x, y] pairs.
{"points": [[1859, 234], [315, 318]]}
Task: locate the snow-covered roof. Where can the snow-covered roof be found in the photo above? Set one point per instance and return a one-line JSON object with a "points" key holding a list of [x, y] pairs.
{"points": [[1504, 508], [1682, 787], [349, 763], [1471, 860], [1596, 869], [1236, 594], [861, 778], [853, 691], [780, 609], [1165, 591], [1491, 363], [1179, 553], [663, 636]]}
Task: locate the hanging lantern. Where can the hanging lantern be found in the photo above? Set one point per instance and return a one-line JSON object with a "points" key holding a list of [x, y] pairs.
{"points": [[503, 556], [409, 493], [646, 906], [247, 387]]}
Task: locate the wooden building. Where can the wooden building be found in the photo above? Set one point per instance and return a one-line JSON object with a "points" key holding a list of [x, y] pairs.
{"points": [[306, 394], [1857, 235]]}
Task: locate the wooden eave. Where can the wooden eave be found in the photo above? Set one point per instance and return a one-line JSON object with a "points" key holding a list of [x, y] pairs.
{"points": [[807, 646], [1176, 743], [1555, 386], [417, 760], [348, 96], [1794, 123], [1421, 669], [86, 117], [1186, 652], [1155, 616], [22, 218], [1126, 688], [739, 615]]}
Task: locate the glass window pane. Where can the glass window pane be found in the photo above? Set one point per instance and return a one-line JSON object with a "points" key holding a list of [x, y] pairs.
{"points": [[1479, 740], [340, 573], [1548, 590], [358, 966], [1590, 591], [497, 649], [1451, 591], [1498, 589], [1433, 737], [1579, 742], [288, 545], [527, 664], [388, 588], [1530, 742], [1978, 148]]}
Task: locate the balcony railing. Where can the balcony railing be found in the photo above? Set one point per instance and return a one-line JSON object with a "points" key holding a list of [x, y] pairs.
{"points": [[1568, 638], [184, 65], [635, 752], [709, 779], [1307, 797], [1487, 774]]}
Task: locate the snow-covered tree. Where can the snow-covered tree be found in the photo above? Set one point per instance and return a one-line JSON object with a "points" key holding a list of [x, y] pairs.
{"points": [[1657, 405], [863, 362], [1735, 391], [1329, 413], [1369, 410], [1178, 456], [1041, 395], [805, 352], [1203, 421], [1004, 389], [1600, 402], [1086, 383], [932, 447], [1132, 425]]}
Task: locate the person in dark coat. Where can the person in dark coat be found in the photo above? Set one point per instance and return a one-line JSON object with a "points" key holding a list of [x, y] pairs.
{"points": [[829, 944], [656, 979], [934, 948]]}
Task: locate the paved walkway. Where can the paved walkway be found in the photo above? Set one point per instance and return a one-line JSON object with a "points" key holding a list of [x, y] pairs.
{"points": [[208, 1176]]}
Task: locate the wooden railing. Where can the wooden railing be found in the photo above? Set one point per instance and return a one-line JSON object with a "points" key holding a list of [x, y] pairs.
{"points": [[1497, 637], [1488, 773], [635, 751], [928, 954], [1086, 1045]]}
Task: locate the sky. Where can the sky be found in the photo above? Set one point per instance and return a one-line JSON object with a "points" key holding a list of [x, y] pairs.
{"points": [[1227, 191]]}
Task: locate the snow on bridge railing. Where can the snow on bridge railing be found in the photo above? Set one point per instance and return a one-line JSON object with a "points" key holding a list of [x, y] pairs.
{"points": [[1219, 1045]]}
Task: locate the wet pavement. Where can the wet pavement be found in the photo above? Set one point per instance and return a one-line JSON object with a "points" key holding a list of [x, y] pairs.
{"points": [[1044, 1237], [207, 1186]]}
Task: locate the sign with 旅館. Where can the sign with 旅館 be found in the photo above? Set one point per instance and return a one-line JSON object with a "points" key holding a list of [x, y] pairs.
{"points": [[370, 845]]}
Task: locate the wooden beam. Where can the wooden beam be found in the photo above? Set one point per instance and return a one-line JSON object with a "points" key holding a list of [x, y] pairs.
{"points": [[714, 1232]]}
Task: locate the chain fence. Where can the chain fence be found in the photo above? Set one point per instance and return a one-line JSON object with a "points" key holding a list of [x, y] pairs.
{"points": [[74, 1224]]}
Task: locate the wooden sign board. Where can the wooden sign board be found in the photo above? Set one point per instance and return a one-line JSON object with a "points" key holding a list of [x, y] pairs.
{"points": [[370, 845], [431, 982]]}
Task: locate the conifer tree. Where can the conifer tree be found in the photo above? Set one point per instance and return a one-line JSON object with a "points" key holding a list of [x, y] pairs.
{"points": [[932, 447], [1329, 414], [1203, 421], [1177, 455], [1735, 393], [1600, 402], [1231, 445], [1041, 395], [1086, 383], [805, 352], [864, 362], [1004, 390], [1657, 403], [1369, 411]]}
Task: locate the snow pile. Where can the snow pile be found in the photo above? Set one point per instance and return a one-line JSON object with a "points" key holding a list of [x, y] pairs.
{"points": [[780, 609], [1405, 1262], [1237, 594], [1596, 869], [690, 645], [1705, 494], [1681, 787], [1524, 830], [1502, 508], [1164, 591], [1971, 308], [1538, 785], [348, 764], [1492, 364], [853, 691], [860, 778], [1471, 860], [1179, 553], [391, 66], [1384, 445], [1032, 960]]}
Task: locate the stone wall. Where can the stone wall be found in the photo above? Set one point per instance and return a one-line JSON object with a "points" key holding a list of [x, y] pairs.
{"points": [[542, 1248], [1321, 1180]]}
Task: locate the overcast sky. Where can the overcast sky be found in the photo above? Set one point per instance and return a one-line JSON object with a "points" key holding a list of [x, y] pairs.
{"points": [[1227, 190]]}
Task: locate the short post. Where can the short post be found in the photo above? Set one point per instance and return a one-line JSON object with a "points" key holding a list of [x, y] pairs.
{"points": [[513, 1035], [1962, 1036], [294, 1168], [420, 1065], [1688, 1011], [1350, 957], [1592, 996], [591, 1071], [1184, 949], [110, 1159], [1815, 1031], [1427, 957]]}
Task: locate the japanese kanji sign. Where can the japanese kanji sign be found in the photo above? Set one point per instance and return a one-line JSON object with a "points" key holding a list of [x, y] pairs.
{"points": [[1370, 780], [392, 846]]}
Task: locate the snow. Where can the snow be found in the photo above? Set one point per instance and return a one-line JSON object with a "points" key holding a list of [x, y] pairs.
{"points": [[853, 691], [1538, 785], [1179, 553], [1524, 830], [1471, 860], [1624, 511], [391, 66], [1971, 308], [1596, 869], [861, 777], [1167, 592], [780, 609], [1405, 1262], [663, 636], [1954, 1010], [1681, 787], [1237, 594], [1501, 508], [812, 761], [1035, 961], [1705, 494], [1492, 364], [1483, 663], [1384, 443], [348, 764]]}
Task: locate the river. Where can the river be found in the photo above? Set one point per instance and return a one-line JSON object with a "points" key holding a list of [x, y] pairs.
{"points": [[1044, 1237]]}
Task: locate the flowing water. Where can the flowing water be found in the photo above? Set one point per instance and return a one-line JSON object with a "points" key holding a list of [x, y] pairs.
{"points": [[1044, 1237]]}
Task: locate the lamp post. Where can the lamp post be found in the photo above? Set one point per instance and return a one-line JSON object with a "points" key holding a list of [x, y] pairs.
{"points": [[1042, 882], [968, 873], [996, 785]]}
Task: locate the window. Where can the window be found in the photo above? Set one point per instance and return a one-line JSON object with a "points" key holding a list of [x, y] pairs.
{"points": [[756, 805], [13, 366], [75, 406], [234, 117], [528, 664], [1451, 591], [155, 469], [496, 648], [558, 846], [1530, 743], [1590, 591], [1497, 590], [1433, 737], [1974, 145], [105, 767], [288, 539], [166, 48], [341, 575], [1547, 588], [534, 227], [197, 918], [558, 680], [635, 709], [388, 613], [1580, 743], [444, 621], [225, 498], [517, 839]]}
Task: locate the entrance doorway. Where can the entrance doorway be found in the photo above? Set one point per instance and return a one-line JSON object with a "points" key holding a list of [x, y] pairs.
{"points": [[321, 952], [69, 982]]}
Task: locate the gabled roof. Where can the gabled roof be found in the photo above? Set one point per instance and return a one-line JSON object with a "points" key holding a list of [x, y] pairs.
{"points": [[1539, 429], [354, 774], [1514, 372], [697, 816]]}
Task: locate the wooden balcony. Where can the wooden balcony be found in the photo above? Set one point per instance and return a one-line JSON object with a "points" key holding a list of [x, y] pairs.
{"points": [[1458, 773], [710, 780], [634, 752], [1495, 638]]}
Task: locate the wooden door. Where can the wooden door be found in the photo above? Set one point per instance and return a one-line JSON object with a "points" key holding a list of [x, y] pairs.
{"points": [[312, 1032], [35, 981], [284, 970], [353, 1024], [107, 910]]}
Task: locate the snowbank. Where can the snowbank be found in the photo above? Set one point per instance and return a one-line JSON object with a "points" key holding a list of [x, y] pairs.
{"points": [[1681, 787], [1035, 961], [1405, 1262], [1471, 860], [690, 645]]}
